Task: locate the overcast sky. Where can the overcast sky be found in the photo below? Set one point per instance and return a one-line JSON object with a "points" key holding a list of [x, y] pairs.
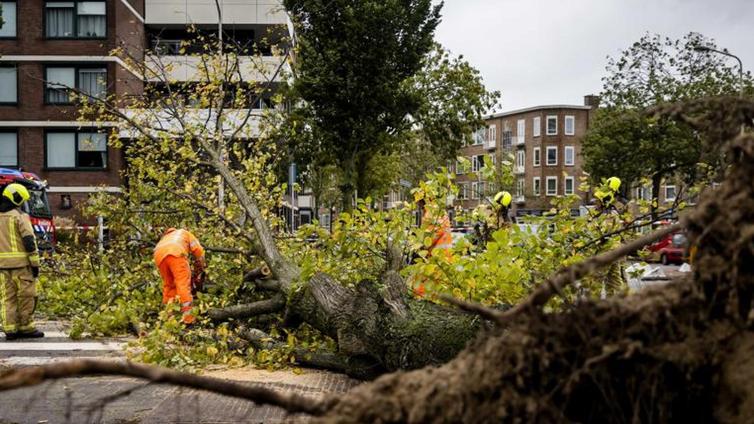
{"points": [[554, 51]]}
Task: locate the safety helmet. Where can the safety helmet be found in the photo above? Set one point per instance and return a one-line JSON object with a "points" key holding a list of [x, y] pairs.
{"points": [[613, 183], [503, 198], [16, 193]]}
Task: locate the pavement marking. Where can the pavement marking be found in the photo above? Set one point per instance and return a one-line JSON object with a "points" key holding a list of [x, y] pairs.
{"points": [[52, 346], [30, 361]]}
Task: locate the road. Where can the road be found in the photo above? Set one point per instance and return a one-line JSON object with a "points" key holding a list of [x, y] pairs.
{"points": [[126, 400]]}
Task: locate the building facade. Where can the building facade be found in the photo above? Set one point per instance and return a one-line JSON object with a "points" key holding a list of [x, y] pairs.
{"points": [[46, 45], [542, 144]]}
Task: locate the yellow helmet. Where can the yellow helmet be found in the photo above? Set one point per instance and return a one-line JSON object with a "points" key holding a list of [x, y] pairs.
{"points": [[16, 193], [613, 183], [503, 198]]}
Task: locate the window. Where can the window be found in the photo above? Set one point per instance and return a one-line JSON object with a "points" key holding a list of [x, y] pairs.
{"points": [[645, 192], [462, 191], [552, 125], [492, 133], [569, 156], [507, 139], [520, 187], [537, 156], [670, 193], [462, 167], [520, 158], [9, 149], [479, 136], [477, 163], [474, 190], [568, 189], [552, 155], [69, 150], [9, 84], [570, 125], [8, 26], [75, 19], [90, 81], [536, 189], [536, 126], [521, 127], [552, 186]]}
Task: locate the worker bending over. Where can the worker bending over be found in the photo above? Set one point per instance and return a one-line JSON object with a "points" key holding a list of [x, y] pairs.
{"points": [[171, 257]]}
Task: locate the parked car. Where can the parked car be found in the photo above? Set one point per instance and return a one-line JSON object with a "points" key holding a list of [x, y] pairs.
{"points": [[671, 249]]}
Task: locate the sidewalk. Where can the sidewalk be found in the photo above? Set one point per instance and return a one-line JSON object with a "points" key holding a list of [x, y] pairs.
{"points": [[128, 400]]}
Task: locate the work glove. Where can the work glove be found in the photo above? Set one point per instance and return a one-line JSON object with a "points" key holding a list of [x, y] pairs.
{"points": [[35, 271]]}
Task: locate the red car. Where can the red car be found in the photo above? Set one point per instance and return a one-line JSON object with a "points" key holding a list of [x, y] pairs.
{"points": [[671, 249]]}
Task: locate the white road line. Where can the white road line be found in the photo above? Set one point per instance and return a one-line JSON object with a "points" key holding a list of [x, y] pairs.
{"points": [[25, 361], [52, 346]]}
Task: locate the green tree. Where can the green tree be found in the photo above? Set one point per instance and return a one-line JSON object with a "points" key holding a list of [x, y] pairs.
{"points": [[369, 73], [627, 142]]}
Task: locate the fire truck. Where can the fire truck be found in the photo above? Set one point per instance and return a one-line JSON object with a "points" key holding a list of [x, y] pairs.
{"points": [[38, 207]]}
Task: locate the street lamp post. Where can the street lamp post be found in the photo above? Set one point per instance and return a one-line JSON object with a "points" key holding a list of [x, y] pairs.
{"points": [[740, 68]]}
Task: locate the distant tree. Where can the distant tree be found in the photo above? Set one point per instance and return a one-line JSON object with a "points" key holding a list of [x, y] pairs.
{"points": [[369, 74], [625, 141]]}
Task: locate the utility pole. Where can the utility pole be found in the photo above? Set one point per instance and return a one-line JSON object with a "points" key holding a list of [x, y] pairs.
{"points": [[219, 133]]}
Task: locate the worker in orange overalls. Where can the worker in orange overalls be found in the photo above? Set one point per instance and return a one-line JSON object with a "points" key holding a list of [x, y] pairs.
{"points": [[442, 237], [171, 257]]}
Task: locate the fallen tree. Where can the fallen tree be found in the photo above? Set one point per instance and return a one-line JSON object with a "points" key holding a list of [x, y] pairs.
{"points": [[677, 353]]}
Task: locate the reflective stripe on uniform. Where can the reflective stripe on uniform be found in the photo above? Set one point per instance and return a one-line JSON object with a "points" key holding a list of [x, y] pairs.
{"points": [[12, 234], [13, 255]]}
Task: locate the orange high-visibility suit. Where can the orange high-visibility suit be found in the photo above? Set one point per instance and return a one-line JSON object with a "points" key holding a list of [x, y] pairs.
{"points": [[171, 257], [442, 242]]}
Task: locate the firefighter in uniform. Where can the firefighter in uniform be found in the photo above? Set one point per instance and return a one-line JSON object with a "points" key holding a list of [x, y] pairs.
{"points": [[171, 257], [607, 203], [502, 204], [19, 264]]}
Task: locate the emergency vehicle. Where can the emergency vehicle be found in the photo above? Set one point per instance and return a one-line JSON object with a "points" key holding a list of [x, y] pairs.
{"points": [[38, 207]]}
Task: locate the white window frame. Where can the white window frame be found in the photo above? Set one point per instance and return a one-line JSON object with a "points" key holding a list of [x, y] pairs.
{"points": [[547, 155], [536, 186], [521, 158], [547, 186], [520, 187], [572, 120], [492, 133], [521, 128], [547, 124], [477, 164], [675, 193], [565, 186], [536, 126], [537, 159], [463, 191], [479, 136], [572, 162], [474, 190]]}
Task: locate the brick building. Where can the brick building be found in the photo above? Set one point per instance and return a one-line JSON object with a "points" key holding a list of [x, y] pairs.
{"points": [[542, 144], [46, 44]]}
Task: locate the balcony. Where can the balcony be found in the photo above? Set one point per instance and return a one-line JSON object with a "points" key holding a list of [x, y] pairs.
{"points": [[193, 68], [519, 199], [519, 169], [518, 140], [182, 12], [490, 144]]}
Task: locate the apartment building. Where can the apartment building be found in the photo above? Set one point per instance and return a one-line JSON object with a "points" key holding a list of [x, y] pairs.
{"points": [[541, 143], [45, 44]]}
